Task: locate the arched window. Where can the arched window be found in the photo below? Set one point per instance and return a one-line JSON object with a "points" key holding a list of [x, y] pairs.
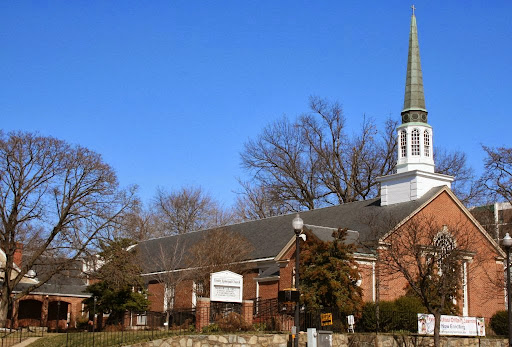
{"points": [[444, 244], [426, 143], [415, 142], [403, 143]]}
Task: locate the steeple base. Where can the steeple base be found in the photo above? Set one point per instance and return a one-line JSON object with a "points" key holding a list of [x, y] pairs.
{"points": [[409, 185]]}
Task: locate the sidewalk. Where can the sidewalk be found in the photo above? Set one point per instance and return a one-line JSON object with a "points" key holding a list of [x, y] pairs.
{"points": [[26, 342]]}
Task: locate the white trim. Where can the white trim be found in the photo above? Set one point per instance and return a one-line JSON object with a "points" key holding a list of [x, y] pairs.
{"points": [[374, 286], [465, 300], [194, 296]]}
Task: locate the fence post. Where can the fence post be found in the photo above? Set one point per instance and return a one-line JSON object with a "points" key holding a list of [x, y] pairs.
{"points": [[202, 313], [247, 311]]}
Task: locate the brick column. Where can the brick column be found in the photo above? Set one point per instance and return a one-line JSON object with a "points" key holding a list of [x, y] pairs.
{"points": [[202, 313], [247, 311]]}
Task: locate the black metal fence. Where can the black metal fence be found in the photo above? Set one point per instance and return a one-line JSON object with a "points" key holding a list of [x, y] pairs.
{"points": [[11, 337]]}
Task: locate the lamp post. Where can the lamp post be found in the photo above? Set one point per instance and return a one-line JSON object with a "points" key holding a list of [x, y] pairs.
{"points": [[507, 244], [297, 224]]}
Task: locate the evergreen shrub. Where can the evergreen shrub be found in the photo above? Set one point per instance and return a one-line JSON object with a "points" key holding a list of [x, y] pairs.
{"points": [[396, 315], [499, 323]]}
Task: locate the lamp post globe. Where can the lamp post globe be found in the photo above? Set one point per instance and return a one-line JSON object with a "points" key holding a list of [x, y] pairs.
{"points": [[507, 244], [297, 224]]}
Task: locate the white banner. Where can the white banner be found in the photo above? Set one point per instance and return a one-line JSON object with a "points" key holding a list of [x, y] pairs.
{"points": [[452, 325]]}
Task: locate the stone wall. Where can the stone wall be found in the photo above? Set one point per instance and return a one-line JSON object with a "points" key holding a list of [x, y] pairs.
{"points": [[281, 340]]}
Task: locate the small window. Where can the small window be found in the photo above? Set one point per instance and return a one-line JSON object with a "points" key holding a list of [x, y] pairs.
{"points": [[142, 319], [403, 143], [415, 142], [426, 143]]}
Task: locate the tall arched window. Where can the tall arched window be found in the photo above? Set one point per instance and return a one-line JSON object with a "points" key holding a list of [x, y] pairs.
{"points": [[444, 244], [403, 143], [426, 143], [415, 142]]}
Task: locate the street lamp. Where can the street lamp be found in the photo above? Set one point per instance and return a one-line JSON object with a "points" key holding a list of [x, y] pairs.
{"points": [[297, 224], [507, 244]]}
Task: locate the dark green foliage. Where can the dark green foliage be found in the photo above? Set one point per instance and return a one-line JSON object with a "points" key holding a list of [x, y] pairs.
{"points": [[118, 277], [368, 320], [499, 323], [329, 274], [400, 314]]}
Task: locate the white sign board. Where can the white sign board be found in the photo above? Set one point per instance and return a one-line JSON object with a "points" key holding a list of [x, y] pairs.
{"points": [[452, 325], [226, 286]]}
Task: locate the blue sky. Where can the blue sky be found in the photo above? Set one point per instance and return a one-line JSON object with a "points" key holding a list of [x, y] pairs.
{"points": [[169, 91]]}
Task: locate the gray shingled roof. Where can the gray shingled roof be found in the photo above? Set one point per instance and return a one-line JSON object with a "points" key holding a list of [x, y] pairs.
{"points": [[269, 236]]}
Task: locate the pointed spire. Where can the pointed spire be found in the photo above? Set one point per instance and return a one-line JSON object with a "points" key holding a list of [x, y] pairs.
{"points": [[414, 99]]}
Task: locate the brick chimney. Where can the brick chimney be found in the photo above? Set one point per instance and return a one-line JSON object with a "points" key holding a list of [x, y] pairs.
{"points": [[18, 254]]}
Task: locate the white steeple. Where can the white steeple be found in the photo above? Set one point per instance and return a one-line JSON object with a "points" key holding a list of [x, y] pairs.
{"points": [[415, 166]]}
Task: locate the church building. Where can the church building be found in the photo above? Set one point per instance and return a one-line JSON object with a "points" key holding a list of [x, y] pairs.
{"points": [[413, 201]]}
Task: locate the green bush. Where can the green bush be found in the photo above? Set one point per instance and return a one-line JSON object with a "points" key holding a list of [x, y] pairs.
{"points": [[212, 328], [407, 309], [499, 323], [400, 314], [368, 320]]}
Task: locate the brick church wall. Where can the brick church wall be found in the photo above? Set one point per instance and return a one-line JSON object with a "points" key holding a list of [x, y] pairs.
{"points": [[485, 271]]}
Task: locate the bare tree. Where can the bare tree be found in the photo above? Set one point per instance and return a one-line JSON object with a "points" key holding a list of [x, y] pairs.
{"points": [[497, 177], [467, 188], [348, 165], [257, 202], [282, 162], [139, 223], [171, 262], [430, 257], [188, 209], [311, 161], [55, 198], [218, 250]]}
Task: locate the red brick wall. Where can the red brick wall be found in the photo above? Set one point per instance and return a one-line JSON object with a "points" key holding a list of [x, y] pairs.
{"points": [[484, 273], [156, 297], [182, 299], [183, 294], [250, 285], [268, 290]]}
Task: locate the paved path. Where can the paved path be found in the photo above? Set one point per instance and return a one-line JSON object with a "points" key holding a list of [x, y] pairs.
{"points": [[26, 342]]}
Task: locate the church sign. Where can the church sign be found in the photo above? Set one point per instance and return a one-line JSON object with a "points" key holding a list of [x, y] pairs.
{"points": [[452, 325], [226, 286]]}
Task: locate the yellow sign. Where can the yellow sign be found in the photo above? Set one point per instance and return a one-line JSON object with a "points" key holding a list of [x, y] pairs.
{"points": [[326, 319]]}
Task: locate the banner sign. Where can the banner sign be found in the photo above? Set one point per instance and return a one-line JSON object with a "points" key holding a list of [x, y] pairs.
{"points": [[452, 325], [226, 286]]}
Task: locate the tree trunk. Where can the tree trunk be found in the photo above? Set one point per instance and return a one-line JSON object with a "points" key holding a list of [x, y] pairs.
{"points": [[4, 309], [167, 315], [437, 329]]}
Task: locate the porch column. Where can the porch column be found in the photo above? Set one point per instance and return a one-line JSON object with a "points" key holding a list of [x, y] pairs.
{"points": [[44, 311]]}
